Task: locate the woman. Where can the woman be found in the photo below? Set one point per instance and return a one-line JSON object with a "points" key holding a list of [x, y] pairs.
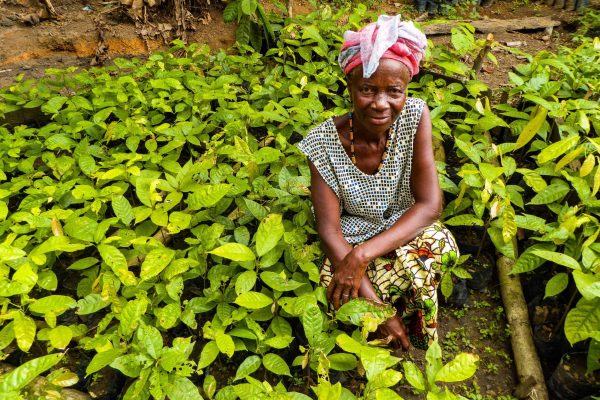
{"points": [[375, 190]]}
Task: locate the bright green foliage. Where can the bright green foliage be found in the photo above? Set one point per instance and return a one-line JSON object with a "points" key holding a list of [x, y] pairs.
{"points": [[461, 368], [168, 196]]}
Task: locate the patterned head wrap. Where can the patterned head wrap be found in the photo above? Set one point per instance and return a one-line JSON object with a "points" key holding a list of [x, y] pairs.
{"points": [[386, 38]]}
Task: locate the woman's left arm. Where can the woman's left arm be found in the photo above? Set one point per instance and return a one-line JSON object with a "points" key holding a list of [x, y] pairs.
{"points": [[427, 195]]}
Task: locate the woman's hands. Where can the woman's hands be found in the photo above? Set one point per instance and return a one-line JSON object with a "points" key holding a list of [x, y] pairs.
{"points": [[394, 331], [347, 278]]}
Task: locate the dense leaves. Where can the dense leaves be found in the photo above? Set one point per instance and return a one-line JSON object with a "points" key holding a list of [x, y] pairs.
{"points": [[166, 202]]}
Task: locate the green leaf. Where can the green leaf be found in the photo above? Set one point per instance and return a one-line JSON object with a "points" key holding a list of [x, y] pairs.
{"points": [[234, 251], [90, 304], [182, 389], [269, 233], [9, 253], [312, 321], [556, 149], [83, 263], [593, 358], [54, 105], [551, 194], [117, 262], [247, 367], [461, 368], [587, 284], [225, 343], [25, 373], [122, 209], [556, 284], [7, 335], [413, 375], [258, 211], [245, 282], [131, 314], [56, 304], [101, 360], [129, 364], [276, 364], [342, 361], [433, 357], [87, 164], [150, 340], [528, 261], [253, 300], [356, 311], [208, 354], [209, 386], [230, 12], [249, 6], [558, 258], [207, 195], [583, 321], [279, 283], [24, 328], [178, 221], [464, 220], [155, 262], [532, 128], [82, 228], [168, 315], [60, 337]]}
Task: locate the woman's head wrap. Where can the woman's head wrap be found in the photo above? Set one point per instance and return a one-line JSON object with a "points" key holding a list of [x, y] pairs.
{"points": [[386, 38]]}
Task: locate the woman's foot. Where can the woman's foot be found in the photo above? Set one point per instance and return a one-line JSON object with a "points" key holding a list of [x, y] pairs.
{"points": [[393, 332]]}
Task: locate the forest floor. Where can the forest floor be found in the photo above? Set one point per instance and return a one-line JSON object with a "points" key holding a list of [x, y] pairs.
{"points": [[73, 40]]}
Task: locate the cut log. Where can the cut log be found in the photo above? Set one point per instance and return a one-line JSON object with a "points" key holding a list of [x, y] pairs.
{"points": [[495, 25], [527, 363]]}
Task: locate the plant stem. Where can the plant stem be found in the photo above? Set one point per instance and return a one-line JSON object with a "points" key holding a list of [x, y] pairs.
{"points": [[564, 316], [485, 227]]}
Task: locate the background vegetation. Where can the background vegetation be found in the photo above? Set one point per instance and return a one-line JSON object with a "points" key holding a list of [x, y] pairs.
{"points": [[160, 224]]}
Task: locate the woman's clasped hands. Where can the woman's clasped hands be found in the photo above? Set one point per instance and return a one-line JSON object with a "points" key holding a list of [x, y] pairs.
{"points": [[346, 279]]}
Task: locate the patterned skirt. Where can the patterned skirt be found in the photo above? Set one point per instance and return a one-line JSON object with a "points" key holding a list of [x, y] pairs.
{"points": [[408, 278]]}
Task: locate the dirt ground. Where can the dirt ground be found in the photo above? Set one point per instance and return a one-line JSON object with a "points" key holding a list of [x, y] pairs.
{"points": [[73, 40]]}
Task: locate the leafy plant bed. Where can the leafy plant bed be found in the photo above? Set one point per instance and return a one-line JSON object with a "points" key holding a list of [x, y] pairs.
{"points": [[160, 223]]}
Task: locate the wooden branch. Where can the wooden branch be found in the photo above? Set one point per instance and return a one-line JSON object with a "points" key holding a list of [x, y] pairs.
{"points": [[529, 370], [290, 6], [527, 363], [478, 63], [494, 25], [50, 9]]}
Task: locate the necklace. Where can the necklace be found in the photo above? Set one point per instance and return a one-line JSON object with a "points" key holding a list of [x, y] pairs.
{"points": [[385, 152]]}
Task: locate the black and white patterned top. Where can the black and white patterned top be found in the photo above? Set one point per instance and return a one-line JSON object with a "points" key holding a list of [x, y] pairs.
{"points": [[369, 204]]}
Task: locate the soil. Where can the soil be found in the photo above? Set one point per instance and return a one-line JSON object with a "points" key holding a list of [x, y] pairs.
{"points": [[73, 40]]}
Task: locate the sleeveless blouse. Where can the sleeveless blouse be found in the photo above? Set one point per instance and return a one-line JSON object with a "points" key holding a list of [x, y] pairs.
{"points": [[369, 204]]}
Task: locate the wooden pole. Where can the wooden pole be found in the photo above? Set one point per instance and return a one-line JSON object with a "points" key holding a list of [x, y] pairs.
{"points": [[529, 370]]}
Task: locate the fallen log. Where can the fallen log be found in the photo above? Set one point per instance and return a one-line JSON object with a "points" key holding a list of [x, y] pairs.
{"points": [[527, 363], [495, 25], [532, 384]]}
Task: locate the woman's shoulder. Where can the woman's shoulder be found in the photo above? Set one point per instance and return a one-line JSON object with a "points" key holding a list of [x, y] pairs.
{"points": [[317, 136], [415, 103]]}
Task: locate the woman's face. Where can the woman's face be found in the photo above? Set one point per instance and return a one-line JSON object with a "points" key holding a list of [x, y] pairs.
{"points": [[378, 100]]}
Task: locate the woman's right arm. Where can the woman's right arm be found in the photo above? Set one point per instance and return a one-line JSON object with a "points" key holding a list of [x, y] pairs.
{"points": [[327, 214]]}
